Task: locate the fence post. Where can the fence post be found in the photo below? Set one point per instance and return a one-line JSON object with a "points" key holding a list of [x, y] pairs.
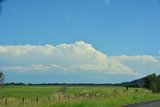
{"points": [[59, 97], [83, 95], [6, 102], [23, 100], [126, 88], [37, 99], [95, 95], [68, 97], [49, 98]]}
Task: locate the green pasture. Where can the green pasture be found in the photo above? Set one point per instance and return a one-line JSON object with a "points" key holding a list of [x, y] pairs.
{"points": [[95, 96]]}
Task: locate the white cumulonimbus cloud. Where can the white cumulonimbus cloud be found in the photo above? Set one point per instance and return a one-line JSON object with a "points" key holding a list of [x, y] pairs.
{"points": [[77, 57]]}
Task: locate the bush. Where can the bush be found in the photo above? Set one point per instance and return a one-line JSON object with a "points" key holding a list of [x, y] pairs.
{"points": [[136, 90], [63, 89]]}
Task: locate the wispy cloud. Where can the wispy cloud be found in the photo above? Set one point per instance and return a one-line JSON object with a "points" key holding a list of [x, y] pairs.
{"points": [[143, 58]]}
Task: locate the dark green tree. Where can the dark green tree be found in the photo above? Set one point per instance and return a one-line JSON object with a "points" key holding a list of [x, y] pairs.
{"points": [[152, 82], [1, 77], [149, 80], [63, 89]]}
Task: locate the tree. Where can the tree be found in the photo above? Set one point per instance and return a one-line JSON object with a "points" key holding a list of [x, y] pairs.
{"points": [[149, 80], [63, 89], [1, 79], [152, 82]]}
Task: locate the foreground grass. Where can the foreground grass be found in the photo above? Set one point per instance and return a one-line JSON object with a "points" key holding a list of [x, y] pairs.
{"points": [[106, 96]]}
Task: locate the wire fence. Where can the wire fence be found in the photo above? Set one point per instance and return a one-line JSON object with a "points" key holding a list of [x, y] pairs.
{"points": [[7, 102]]}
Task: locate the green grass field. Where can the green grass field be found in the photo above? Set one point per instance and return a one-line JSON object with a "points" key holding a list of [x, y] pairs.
{"points": [[95, 96]]}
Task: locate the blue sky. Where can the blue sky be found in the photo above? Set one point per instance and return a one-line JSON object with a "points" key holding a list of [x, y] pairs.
{"points": [[120, 29]]}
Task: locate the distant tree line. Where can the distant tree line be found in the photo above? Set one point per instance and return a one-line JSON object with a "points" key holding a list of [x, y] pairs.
{"points": [[151, 82], [58, 84]]}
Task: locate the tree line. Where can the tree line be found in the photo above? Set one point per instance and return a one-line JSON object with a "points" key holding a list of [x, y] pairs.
{"points": [[151, 82]]}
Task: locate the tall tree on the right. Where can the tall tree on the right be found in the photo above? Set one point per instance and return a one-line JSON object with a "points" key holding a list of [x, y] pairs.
{"points": [[1, 78], [152, 82]]}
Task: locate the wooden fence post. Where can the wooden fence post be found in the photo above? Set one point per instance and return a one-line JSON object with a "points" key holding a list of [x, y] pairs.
{"points": [[68, 97], [6, 102], [59, 97], [89, 95], [23, 100], [126, 88], [49, 98], [95, 95], [37, 100]]}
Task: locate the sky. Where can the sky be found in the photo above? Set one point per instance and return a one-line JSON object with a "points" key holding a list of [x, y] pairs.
{"points": [[79, 41]]}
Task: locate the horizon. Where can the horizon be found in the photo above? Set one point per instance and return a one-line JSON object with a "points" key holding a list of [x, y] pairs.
{"points": [[92, 41]]}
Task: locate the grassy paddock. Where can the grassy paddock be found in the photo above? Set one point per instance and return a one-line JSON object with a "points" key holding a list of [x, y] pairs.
{"points": [[76, 96]]}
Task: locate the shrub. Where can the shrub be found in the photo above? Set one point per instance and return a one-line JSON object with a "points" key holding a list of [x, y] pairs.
{"points": [[63, 89]]}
